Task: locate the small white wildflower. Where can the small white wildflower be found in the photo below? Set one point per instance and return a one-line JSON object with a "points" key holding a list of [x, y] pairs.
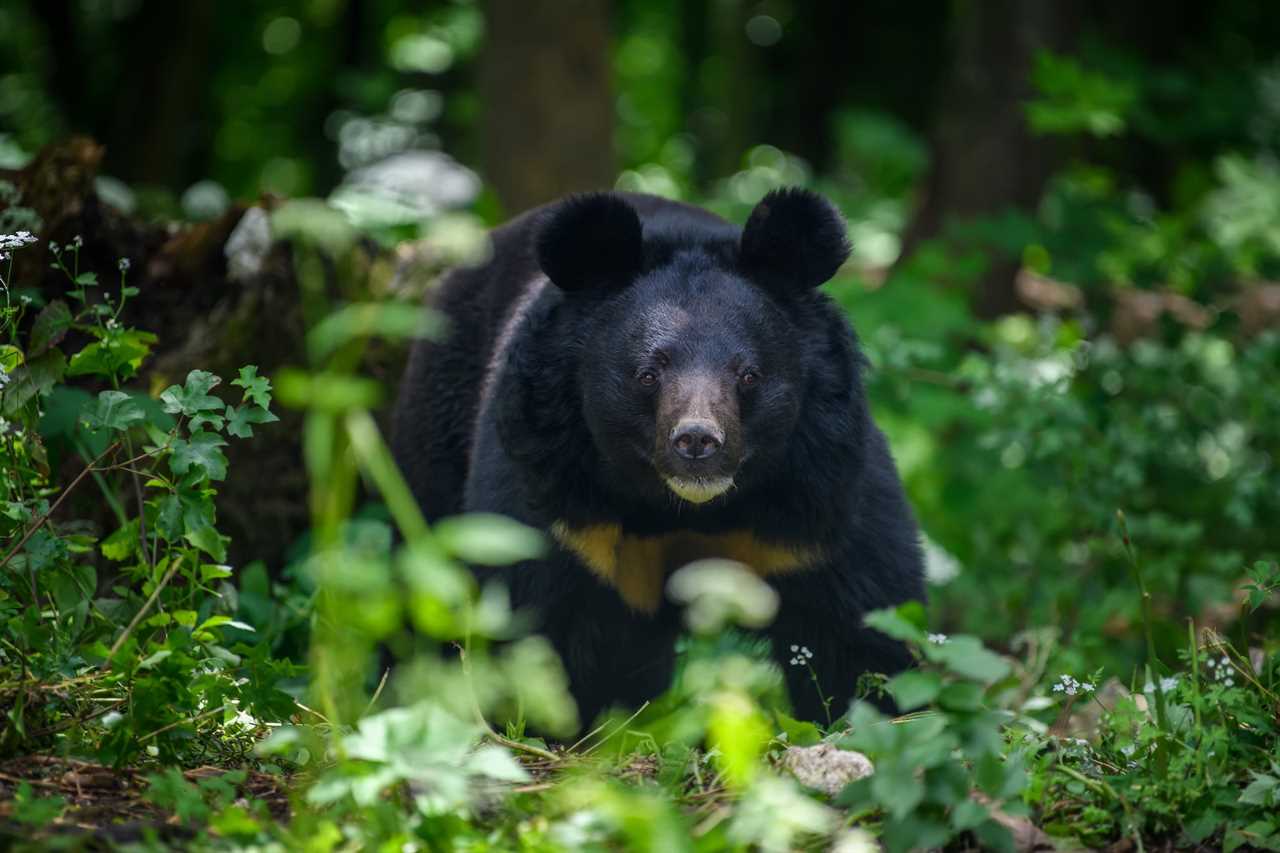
{"points": [[797, 662], [24, 299], [77, 242], [937, 639], [112, 324], [804, 650], [4, 256], [54, 247], [1068, 685], [794, 647], [124, 264], [1167, 684], [1211, 663], [1229, 681]]}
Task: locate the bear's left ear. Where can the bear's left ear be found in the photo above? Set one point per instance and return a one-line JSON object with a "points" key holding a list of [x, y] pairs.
{"points": [[794, 240], [593, 240]]}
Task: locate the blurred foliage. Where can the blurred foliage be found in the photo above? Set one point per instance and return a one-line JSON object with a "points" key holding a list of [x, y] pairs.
{"points": [[1140, 379]]}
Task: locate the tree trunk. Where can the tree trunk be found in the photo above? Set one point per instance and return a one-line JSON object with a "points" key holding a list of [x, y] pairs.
{"points": [[985, 159], [547, 100]]}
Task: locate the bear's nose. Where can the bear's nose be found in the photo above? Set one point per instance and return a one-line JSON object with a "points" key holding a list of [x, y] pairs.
{"points": [[696, 439]]}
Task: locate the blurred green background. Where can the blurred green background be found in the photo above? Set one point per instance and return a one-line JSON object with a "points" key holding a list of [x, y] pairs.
{"points": [[1066, 220]]}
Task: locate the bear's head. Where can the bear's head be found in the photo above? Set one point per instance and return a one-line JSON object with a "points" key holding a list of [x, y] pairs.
{"points": [[695, 339]]}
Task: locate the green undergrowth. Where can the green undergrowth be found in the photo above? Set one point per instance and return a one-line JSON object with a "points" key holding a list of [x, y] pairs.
{"points": [[1123, 708]]}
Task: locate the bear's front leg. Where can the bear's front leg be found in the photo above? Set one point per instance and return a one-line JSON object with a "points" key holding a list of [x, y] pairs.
{"points": [[824, 649], [613, 654]]}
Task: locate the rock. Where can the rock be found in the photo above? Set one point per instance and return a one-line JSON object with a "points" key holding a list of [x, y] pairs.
{"points": [[826, 768]]}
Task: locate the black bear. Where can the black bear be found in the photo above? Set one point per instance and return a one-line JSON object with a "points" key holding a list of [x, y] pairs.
{"points": [[650, 385]]}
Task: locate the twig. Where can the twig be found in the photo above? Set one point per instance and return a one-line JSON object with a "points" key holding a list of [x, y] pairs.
{"points": [[522, 747], [40, 522], [137, 617], [197, 718]]}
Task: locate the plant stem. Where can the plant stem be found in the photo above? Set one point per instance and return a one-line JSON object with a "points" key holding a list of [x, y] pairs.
{"points": [[137, 617], [1147, 621]]}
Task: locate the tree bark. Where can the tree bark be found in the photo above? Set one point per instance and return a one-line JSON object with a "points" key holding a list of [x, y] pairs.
{"points": [[985, 160], [547, 99]]}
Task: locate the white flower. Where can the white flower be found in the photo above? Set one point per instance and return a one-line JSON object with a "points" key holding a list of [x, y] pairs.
{"points": [[4, 256], [77, 242], [112, 324], [804, 650], [16, 241], [124, 264], [4, 377], [1068, 685], [937, 639], [1229, 681], [1167, 684], [794, 647]]}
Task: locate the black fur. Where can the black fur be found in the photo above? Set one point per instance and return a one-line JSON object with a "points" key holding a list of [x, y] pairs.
{"points": [[562, 435]]}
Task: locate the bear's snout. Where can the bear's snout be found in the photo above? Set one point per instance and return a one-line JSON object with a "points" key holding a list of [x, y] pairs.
{"points": [[697, 439]]}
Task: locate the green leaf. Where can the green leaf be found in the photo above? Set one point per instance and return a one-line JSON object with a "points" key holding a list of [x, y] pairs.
{"points": [[200, 452], [34, 379], [256, 388], [205, 536], [961, 696], [914, 689], [798, 732], [87, 279], [120, 352], [33, 810], [156, 657], [50, 327], [240, 418], [897, 788], [905, 622], [122, 544], [204, 419], [489, 540], [114, 410], [194, 396], [185, 618], [966, 656], [10, 358]]}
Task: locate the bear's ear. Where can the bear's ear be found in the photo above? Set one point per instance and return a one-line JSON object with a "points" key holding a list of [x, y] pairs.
{"points": [[794, 240], [591, 241]]}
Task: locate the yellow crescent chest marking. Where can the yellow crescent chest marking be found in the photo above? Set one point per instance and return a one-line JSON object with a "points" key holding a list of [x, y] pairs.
{"points": [[637, 566]]}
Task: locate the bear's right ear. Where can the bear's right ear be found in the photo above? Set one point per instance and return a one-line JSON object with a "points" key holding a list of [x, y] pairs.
{"points": [[591, 241]]}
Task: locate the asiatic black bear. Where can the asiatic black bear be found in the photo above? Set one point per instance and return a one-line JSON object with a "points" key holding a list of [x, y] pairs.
{"points": [[650, 385]]}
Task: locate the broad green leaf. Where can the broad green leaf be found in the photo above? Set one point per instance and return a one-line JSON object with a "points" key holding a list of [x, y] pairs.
{"points": [[194, 396], [200, 452], [114, 410], [488, 539], [798, 732], [35, 378], [156, 657], [50, 327], [966, 656], [122, 544], [120, 352], [914, 689], [10, 358], [904, 623]]}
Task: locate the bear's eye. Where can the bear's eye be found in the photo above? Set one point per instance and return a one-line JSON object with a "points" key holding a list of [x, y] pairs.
{"points": [[647, 378], [749, 377]]}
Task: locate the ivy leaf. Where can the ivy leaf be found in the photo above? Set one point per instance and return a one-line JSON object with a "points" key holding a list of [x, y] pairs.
{"points": [[114, 410], [240, 418], [194, 397], [201, 453], [256, 388]]}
